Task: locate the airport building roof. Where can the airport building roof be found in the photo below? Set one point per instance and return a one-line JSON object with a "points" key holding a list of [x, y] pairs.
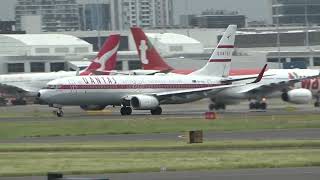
{"points": [[172, 43], [42, 44]]}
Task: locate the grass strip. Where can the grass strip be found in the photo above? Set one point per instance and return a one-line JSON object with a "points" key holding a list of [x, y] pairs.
{"points": [[153, 125], [39, 163], [160, 146]]}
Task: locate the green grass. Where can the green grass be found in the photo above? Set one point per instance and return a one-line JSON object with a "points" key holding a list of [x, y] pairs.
{"points": [[38, 159], [65, 127], [159, 145]]}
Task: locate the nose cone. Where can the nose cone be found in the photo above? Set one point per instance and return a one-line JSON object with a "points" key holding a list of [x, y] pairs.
{"points": [[43, 94]]}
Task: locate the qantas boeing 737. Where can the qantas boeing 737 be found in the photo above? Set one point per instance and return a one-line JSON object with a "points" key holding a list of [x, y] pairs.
{"points": [[28, 84], [292, 85], [148, 92]]}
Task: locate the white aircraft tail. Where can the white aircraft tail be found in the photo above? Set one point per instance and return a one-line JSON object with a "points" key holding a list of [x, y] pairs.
{"points": [[220, 60]]}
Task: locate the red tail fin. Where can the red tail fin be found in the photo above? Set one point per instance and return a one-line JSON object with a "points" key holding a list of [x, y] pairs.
{"points": [[150, 58], [107, 56]]}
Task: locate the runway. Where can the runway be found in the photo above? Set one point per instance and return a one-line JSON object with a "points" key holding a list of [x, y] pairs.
{"points": [[191, 110], [306, 173]]}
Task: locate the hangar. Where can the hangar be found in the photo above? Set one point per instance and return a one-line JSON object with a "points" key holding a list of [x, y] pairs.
{"points": [[40, 52]]}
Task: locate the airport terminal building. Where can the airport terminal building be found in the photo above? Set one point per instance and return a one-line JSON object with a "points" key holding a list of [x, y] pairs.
{"points": [[40, 52]]}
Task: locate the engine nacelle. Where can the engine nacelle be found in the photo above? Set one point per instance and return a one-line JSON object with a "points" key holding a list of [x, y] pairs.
{"points": [[297, 96], [144, 102], [92, 107]]}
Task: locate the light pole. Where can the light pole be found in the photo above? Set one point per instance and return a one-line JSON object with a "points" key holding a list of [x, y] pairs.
{"points": [[278, 36], [307, 43]]}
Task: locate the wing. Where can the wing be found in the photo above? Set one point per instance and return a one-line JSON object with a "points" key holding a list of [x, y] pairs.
{"points": [[269, 88], [184, 96], [190, 95], [16, 88]]}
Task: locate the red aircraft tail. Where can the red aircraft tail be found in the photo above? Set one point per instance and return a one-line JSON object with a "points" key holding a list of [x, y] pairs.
{"points": [[150, 58], [106, 59]]}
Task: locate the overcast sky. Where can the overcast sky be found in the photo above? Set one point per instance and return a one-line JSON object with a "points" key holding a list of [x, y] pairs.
{"points": [[253, 9]]}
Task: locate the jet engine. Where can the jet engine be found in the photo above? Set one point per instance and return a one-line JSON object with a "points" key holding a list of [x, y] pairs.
{"points": [[144, 102], [92, 107], [297, 96]]}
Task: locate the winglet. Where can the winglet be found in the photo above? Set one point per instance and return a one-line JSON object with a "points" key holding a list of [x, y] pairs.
{"points": [[260, 76]]}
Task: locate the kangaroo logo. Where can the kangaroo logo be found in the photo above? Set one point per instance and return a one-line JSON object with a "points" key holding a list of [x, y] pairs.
{"points": [[104, 58], [143, 52]]}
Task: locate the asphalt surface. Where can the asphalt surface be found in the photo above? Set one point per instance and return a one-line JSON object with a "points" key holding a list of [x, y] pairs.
{"points": [[193, 110], [309, 173]]}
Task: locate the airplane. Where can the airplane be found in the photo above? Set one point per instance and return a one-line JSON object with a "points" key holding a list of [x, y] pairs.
{"points": [[291, 89], [147, 92], [28, 84]]}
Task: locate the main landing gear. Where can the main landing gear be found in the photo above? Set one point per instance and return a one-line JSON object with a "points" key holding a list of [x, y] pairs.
{"points": [[317, 103], [216, 106], [156, 111], [262, 104], [126, 110]]}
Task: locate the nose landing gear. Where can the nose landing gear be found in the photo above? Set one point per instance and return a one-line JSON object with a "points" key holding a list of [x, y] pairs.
{"points": [[58, 111]]}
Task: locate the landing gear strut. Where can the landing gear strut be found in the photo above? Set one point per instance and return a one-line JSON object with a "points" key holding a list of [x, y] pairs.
{"points": [[218, 106], [317, 103], [258, 104], [58, 112], [156, 111], [125, 110]]}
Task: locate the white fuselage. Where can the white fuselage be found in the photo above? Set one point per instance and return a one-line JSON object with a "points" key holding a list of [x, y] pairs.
{"points": [[235, 94], [111, 90]]}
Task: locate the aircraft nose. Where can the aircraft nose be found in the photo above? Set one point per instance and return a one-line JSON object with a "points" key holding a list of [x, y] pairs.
{"points": [[42, 95]]}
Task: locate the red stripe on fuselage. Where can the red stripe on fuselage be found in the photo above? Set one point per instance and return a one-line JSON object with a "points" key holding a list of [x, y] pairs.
{"points": [[225, 46], [220, 60], [138, 86]]}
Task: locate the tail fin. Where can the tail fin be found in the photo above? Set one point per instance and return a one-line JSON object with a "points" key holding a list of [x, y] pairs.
{"points": [[220, 60], [106, 58], [150, 58]]}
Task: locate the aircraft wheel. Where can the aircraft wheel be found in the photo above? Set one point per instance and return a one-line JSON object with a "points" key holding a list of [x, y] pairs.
{"points": [[156, 111], [263, 106], [129, 110], [317, 104], [222, 106], [211, 107], [125, 111], [59, 113], [252, 105]]}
